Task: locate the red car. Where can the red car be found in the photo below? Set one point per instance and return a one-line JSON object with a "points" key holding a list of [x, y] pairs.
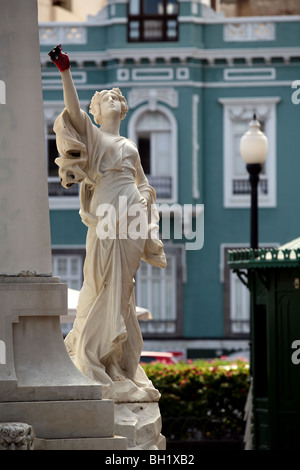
{"points": [[156, 356]]}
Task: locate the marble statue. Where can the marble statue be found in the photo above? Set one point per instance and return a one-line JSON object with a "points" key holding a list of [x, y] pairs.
{"points": [[105, 342]]}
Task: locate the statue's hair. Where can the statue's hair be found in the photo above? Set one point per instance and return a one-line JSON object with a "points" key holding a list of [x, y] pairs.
{"points": [[96, 101]]}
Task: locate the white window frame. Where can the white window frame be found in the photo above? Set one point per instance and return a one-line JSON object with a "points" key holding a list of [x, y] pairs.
{"points": [[175, 254], [236, 289], [242, 109], [69, 276], [132, 134], [239, 306], [163, 277]]}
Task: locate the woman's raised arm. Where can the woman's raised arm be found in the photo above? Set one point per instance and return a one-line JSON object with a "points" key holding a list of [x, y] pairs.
{"points": [[62, 62]]}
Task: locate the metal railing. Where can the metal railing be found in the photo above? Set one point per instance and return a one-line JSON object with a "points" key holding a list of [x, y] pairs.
{"points": [[55, 189], [163, 186], [242, 186]]}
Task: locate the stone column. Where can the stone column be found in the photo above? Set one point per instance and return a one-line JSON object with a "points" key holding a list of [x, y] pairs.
{"points": [[25, 229], [39, 383]]}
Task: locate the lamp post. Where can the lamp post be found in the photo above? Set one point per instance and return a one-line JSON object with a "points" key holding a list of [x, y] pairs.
{"points": [[254, 149]]}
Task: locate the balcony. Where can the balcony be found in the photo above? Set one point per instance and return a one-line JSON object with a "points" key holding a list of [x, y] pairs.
{"points": [[55, 189], [163, 186], [242, 186]]}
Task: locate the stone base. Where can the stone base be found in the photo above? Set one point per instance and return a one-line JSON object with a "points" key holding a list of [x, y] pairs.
{"points": [[104, 443], [63, 419], [140, 423], [39, 384]]}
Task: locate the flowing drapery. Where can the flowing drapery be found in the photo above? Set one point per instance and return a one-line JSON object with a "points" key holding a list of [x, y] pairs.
{"points": [[105, 342]]}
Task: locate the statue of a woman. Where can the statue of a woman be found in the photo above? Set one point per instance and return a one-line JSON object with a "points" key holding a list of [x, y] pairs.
{"points": [[105, 342]]}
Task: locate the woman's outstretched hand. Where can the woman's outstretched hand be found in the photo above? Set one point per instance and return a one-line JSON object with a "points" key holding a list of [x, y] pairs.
{"points": [[59, 58]]}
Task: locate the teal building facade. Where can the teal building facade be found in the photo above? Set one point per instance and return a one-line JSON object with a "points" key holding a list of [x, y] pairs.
{"points": [[193, 80]]}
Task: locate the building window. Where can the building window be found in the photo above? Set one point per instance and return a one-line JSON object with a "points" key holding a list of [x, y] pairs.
{"points": [[66, 4], [69, 267], [154, 142], [155, 133], [55, 189], [59, 197], [160, 291], [236, 299], [238, 112], [239, 306], [236, 295], [152, 20]]}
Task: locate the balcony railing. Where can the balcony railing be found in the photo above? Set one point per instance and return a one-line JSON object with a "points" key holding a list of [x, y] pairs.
{"points": [[155, 327], [55, 189], [242, 186], [162, 185]]}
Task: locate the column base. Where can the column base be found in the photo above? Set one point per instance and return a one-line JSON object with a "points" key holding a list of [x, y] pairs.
{"points": [[39, 383], [104, 443]]}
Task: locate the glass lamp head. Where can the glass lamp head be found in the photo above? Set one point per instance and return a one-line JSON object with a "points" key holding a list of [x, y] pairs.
{"points": [[254, 144]]}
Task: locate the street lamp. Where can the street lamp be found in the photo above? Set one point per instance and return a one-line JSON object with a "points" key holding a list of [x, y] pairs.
{"points": [[254, 149]]}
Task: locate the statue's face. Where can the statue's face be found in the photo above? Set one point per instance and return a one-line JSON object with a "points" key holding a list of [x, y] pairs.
{"points": [[110, 106]]}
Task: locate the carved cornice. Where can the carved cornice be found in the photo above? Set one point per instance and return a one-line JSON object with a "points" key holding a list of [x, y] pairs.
{"points": [[152, 96], [182, 54]]}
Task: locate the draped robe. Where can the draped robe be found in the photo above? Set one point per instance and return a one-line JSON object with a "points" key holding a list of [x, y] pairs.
{"points": [[106, 329]]}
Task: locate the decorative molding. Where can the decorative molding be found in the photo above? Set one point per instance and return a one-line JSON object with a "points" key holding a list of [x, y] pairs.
{"points": [[182, 73], [159, 73], [152, 96], [259, 31], [218, 18], [181, 53], [249, 74], [123, 74], [243, 108], [16, 436], [195, 104], [50, 35], [54, 78]]}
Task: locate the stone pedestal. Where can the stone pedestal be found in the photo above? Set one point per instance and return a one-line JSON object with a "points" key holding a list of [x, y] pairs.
{"points": [[39, 383], [140, 423]]}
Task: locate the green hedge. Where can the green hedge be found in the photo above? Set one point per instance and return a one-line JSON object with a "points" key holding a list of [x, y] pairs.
{"points": [[201, 399]]}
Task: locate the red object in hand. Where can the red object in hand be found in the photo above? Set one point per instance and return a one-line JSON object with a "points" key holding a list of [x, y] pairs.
{"points": [[60, 59]]}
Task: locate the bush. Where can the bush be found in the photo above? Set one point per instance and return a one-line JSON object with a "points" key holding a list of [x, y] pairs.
{"points": [[201, 399]]}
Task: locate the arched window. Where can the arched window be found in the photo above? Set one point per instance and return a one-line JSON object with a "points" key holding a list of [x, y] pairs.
{"points": [[155, 133]]}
